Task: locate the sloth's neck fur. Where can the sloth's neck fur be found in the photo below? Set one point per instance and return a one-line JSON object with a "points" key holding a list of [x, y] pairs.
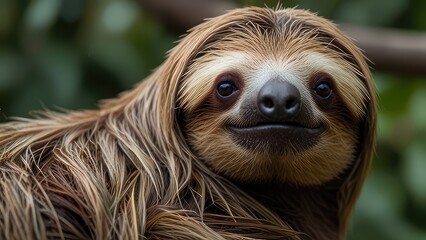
{"points": [[307, 209]]}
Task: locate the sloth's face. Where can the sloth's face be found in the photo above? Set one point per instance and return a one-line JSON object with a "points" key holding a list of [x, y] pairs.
{"points": [[272, 108]]}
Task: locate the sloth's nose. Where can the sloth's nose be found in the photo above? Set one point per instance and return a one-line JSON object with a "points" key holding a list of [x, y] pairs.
{"points": [[279, 100]]}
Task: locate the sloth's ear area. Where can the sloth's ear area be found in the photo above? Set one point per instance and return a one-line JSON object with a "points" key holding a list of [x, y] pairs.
{"points": [[352, 185], [355, 176]]}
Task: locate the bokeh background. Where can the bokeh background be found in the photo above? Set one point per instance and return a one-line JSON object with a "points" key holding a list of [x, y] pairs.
{"points": [[71, 53]]}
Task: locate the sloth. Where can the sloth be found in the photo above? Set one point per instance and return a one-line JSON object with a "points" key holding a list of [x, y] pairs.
{"points": [[260, 124]]}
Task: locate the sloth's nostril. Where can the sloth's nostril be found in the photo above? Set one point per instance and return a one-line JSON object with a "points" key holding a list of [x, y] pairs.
{"points": [[268, 102], [291, 103]]}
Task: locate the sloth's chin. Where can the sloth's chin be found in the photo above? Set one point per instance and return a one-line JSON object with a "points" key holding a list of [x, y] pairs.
{"points": [[276, 138]]}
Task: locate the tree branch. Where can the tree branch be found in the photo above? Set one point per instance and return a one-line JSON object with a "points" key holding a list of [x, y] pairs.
{"points": [[182, 15], [389, 50]]}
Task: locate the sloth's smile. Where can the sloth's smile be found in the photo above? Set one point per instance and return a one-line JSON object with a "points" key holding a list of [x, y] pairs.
{"points": [[276, 137]]}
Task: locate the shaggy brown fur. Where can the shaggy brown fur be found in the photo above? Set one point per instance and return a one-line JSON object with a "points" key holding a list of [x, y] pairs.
{"points": [[159, 163]]}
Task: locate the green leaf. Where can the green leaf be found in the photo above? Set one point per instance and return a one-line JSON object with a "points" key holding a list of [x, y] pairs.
{"points": [[417, 109], [41, 14], [61, 67], [414, 170], [10, 69], [118, 16]]}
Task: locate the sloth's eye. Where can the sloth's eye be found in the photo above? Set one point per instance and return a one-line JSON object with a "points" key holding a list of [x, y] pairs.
{"points": [[226, 89], [323, 89]]}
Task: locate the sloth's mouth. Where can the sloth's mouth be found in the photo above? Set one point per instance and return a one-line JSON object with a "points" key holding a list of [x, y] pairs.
{"points": [[276, 137]]}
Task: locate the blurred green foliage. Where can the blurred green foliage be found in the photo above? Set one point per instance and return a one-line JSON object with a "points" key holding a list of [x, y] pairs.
{"points": [[71, 53]]}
